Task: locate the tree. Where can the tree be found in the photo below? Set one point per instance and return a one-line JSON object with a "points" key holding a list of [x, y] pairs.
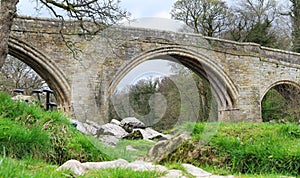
{"points": [[251, 21], [8, 10], [99, 12], [17, 75], [207, 17], [295, 19]]}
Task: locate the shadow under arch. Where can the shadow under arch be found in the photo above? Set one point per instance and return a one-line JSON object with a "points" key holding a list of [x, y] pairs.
{"points": [[222, 86], [45, 68], [290, 91]]}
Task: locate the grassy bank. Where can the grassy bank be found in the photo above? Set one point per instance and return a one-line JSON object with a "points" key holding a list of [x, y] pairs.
{"points": [[244, 148], [27, 131], [33, 143]]}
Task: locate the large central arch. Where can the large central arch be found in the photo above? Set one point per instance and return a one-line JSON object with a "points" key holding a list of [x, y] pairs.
{"points": [[222, 86], [44, 67]]}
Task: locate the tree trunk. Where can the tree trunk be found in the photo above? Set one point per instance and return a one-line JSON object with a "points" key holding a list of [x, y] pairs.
{"points": [[8, 11]]}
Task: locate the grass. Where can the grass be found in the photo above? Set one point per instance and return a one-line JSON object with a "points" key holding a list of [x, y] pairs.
{"points": [[34, 142], [29, 131], [245, 148], [27, 168]]}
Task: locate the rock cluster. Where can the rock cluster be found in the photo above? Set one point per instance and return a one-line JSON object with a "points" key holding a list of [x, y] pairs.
{"points": [[128, 128], [79, 168]]}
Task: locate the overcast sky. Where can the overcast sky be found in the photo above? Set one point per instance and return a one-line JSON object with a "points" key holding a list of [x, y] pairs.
{"points": [[138, 8]]}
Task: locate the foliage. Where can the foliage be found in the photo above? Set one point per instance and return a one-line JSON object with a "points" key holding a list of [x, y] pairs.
{"points": [[163, 103], [281, 104], [207, 17], [247, 148], [252, 20], [29, 131], [260, 34], [294, 14], [272, 106]]}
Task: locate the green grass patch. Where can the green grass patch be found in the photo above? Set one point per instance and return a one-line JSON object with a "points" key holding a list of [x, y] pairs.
{"points": [[247, 148], [28, 168], [30, 131]]}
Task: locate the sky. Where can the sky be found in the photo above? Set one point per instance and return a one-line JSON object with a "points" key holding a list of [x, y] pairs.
{"points": [[137, 8]]}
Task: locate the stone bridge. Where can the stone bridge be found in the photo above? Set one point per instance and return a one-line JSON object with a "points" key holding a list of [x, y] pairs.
{"points": [[239, 73]]}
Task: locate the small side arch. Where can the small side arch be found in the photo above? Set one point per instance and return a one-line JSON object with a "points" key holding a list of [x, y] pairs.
{"points": [[282, 103], [223, 87], [278, 83], [43, 66]]}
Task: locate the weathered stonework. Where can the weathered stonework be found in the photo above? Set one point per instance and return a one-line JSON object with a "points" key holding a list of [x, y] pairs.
{"points": [[240, 73]]}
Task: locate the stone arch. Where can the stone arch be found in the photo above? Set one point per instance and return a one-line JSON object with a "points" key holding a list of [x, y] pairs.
{"points": [[225, 91], [277, 83], [290, 91], [42, 65]]}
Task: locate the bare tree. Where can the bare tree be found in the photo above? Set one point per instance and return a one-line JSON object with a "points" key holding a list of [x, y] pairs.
{"points": [[100, 12], [252, 20], [17, 75], [208, 17]]}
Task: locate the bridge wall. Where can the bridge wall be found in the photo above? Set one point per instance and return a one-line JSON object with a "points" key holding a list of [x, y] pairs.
{"points": [[240, 73]]}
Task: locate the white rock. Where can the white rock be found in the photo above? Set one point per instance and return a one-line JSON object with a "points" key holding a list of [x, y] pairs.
{"points": [[121, 163], [146, 166], [150, 134], [195, 171], [86, 128], [116, 122], [174, 174], [74, 166], [112, 129], [216, 176]]}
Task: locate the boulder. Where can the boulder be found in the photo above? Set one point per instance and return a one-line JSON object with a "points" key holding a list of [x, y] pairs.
{"points": [[151, 134], [73, 165], [174, 174], [195, 171], [84, 127], [109, 140], [162, 149], [146, 166], [116, 122], [112, 129], [119, 163], [130, 123]]}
